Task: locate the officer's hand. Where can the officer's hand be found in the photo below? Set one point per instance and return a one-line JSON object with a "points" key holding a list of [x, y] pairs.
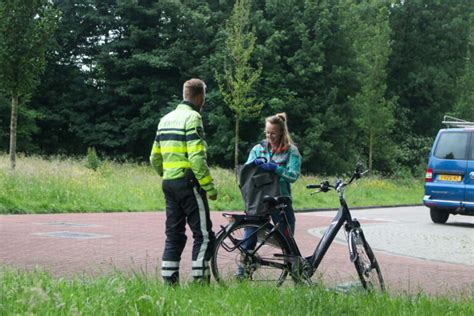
{"points": [[213, 197], [269, 166]]}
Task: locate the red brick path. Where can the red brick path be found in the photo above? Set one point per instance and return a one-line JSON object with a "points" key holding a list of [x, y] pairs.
{"points": [[134, 241]]}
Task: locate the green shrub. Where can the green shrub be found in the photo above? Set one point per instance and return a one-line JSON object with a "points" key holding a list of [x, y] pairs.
{"points": [[92, 160]]}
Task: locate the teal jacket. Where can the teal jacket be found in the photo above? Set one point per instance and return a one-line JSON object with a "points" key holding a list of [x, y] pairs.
{"points": [[288, 161]]}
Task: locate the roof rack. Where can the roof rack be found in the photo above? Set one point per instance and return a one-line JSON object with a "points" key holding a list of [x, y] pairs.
{"points": [[451, 121]]}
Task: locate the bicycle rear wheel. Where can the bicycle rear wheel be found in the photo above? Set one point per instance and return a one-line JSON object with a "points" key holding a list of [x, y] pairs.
{"points": [[365, 263], [263, 261]]}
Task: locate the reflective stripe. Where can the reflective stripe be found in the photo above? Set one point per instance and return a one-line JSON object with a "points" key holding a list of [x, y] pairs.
{"points": [[168, 273], [176, 164], [200, 264], [168, 268], [205, 180], [170, 264], [203, 224], [173, 149], [200, 268], [182, 149], [196, 148], [197, 272], [156, 150]]}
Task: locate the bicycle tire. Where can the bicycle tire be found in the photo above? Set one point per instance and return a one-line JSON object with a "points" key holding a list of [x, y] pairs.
{"points": [[365, 263], [267, 263]]}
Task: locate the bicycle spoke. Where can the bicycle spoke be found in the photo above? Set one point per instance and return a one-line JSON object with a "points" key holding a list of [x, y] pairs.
{"points": [[366, 264], [237, 257]]}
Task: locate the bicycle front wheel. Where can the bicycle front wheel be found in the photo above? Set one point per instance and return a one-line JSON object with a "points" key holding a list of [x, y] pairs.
{"points": [[365, 263], [249, 252]]}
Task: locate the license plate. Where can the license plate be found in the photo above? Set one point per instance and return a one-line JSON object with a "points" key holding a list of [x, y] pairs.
{"points": [[445, 177]]}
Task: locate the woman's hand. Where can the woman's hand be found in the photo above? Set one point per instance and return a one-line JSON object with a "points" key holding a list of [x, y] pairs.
{"points": [[259, 161], [269, 166]]}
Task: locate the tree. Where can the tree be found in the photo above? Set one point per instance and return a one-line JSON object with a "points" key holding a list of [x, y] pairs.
{"points": [[25, 27], [428, 57], [428, 49], [117, 67], [318, 75], [464, 106], [68, 94], [240, 77], [151, 48], [374, 113]]}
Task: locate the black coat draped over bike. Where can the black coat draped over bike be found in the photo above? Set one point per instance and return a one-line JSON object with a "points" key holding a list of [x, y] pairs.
{"points": [[254, 184]]}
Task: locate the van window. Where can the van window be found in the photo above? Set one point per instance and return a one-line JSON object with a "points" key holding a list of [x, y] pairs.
{"points": [[472, 147], [452, 146]]}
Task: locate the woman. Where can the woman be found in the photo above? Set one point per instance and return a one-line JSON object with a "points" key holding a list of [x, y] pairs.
{"points": [[277, 153]]}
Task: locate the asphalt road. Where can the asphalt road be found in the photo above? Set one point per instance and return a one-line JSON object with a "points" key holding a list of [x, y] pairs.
{"points": [[409, 231], [414, 254]]}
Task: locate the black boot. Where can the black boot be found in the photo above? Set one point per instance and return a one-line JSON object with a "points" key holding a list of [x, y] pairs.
{"points": [[204, 280], [172, 280]]}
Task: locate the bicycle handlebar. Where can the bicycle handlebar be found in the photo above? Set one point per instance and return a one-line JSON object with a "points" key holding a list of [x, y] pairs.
{"points": [[325, 186]]}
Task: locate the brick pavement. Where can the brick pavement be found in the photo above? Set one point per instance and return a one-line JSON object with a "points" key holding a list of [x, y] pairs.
{"points": [[97, 243]]}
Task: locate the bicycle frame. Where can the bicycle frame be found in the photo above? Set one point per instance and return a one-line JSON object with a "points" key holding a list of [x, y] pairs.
{"points": [[287, 256], [343, 216]]}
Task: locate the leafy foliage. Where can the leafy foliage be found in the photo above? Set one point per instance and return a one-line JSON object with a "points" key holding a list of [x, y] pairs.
{"points": [[464, 106], [92, 160], [237, 86], [25, 27], [374, 113], [115, 67]]}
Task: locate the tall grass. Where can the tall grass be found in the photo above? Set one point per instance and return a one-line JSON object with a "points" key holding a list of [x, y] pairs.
{"points": [[57, 184], [65, 185], [119, 294]]}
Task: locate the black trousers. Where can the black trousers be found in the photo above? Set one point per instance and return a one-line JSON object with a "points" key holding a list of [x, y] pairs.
{"points": [[186, 204]]}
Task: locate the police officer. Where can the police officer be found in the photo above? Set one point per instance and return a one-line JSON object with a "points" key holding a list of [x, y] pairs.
{"points": [[179, 156]]}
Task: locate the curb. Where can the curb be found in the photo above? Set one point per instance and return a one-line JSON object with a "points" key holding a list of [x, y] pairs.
{"points": [[310, 210]]}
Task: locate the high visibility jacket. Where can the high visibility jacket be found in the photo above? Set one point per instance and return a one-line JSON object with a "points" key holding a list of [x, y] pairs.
{"points": [[180, 145], [288, 161]]}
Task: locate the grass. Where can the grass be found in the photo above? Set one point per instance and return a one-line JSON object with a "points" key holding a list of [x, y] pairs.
{"points": [[65, 185], [57, 185], [38, 293]]}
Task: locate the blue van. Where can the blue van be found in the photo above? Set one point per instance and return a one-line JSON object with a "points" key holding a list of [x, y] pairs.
{"points": [[449, 180]]}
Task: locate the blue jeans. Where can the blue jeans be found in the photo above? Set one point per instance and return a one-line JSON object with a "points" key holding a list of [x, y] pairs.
{"points": [[290, 216], [251, 241]]}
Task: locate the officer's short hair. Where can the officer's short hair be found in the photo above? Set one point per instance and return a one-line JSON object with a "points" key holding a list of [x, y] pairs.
{"points": [[193, 87]]}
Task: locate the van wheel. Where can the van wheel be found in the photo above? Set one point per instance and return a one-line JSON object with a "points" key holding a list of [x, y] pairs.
{"points": [[439, 216]]}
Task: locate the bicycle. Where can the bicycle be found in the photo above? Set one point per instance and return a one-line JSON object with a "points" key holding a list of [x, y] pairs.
{"points": [[276, 255]]}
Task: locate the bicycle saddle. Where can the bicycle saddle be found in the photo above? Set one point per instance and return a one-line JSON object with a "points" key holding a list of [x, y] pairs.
{"points": [[277, 200]]}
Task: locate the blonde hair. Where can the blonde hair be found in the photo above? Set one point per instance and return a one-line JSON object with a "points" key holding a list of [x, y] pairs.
{"points": [[280, 120], [193, 88]]}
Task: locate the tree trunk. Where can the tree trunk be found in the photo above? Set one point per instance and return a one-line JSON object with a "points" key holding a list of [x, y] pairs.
{"points": [[13, 123], [236, 148], [371, 148]]}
